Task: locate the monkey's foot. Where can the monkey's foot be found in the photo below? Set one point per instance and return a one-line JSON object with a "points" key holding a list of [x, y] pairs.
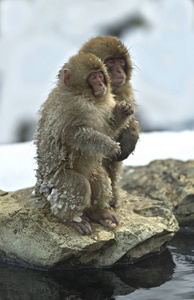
{"points": [[82, 227], [104, 214]]}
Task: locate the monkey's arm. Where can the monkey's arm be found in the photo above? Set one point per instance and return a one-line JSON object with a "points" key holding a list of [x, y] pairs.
{"points": [[90, 141], [128, 139]]}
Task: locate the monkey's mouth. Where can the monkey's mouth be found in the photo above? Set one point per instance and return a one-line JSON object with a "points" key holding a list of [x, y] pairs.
{"points": [[118, 80], [100, 92]]}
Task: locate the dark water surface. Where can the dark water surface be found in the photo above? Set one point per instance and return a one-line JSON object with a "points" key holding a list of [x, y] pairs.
{"points": [[167, 276]]}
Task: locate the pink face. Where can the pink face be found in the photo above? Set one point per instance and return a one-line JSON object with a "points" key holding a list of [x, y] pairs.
{"points": [[97, 82], [115, 66]]}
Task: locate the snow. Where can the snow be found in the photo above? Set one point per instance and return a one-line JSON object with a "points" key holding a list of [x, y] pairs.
{"points": [[38, 36], [162, 145], [17, 167]]}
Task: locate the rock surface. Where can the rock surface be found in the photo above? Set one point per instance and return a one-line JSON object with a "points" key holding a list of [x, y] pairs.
{"points": [[30, 235], [170, 181]]}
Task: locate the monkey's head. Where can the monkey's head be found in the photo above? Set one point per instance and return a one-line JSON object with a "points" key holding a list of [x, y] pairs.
{"points": [[114, 55], [85, 74]]}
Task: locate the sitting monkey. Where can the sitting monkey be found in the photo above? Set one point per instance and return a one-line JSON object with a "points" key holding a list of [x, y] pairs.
{"points": [[118, 63], [77, 128]]}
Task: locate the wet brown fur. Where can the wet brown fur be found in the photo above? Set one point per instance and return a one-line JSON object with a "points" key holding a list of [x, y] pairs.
{"points": [[74, 133], [105, 47]]}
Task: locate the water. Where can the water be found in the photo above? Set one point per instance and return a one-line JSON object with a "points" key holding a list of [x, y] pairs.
{"points": [[169, 276]]}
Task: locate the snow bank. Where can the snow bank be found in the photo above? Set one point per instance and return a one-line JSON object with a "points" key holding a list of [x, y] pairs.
{"points": [[17, 166]]}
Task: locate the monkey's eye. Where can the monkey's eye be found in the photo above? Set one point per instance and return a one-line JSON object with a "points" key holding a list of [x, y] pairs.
{"points": [[101, 75], [122, 61], [91, 77], [111, 61]]}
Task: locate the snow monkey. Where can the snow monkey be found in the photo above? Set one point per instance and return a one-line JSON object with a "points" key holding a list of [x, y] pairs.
{"points": [[78, 126], [117, 60]]}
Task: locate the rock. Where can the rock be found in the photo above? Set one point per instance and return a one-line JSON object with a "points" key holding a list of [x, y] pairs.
{"points": [[170, 181], [31, 236]]}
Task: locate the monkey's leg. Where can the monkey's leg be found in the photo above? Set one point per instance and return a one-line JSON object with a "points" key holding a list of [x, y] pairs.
{"points": [[101, 196], [114, 170], [69, 197]]}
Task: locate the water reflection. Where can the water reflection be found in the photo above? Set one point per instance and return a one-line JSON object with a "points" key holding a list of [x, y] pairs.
{"points": [[149, 272], [138, 279], [181, 286]]}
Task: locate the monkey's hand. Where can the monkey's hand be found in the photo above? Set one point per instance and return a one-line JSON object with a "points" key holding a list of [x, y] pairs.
{"points": [[102, 215], [125, 108], [121, 114], [82, 227], [115, 151]]}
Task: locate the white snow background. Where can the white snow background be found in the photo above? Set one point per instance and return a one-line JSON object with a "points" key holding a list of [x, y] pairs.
{"points": [[18, 163], [38, 36]]}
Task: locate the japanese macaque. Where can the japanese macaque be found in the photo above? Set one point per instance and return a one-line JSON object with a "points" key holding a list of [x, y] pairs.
{"points": [[117, 60], [78, 126]]}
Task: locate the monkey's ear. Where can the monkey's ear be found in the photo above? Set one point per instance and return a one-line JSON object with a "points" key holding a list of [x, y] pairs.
{"points": [[67, 74]]}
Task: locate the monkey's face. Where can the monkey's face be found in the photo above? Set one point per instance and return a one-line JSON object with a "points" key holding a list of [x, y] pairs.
{"points": [[96, 81], [116, 67], [107, 47]]}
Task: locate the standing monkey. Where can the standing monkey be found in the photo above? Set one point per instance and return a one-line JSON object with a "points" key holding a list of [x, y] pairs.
{"points": [[116, 58], [77, 128]]}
